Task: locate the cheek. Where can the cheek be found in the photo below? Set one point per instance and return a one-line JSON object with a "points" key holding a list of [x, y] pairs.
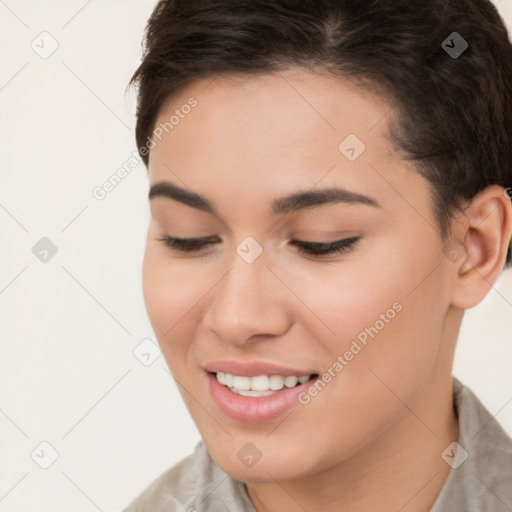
{"points": [[388, 339], [155, 289], [384, 317], [170, 294]]}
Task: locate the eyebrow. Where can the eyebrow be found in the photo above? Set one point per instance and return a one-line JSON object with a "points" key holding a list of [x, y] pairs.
{"points": [[292, 203]]}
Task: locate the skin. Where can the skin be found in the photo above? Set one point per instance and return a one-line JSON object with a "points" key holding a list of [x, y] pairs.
{"points": [[372, 438]]}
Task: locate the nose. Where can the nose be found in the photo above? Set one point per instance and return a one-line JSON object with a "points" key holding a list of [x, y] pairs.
{"points": [[249, 303]]}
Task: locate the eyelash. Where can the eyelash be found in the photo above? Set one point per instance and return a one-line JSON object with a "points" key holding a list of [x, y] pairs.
{"points": [[318, 249]]}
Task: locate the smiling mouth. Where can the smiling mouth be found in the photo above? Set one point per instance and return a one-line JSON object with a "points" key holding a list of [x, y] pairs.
{"points": [[261, 385]]}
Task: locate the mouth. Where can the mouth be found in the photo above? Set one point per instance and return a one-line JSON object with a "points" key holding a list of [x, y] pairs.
{"points": [[261, 385], [250, 405]]}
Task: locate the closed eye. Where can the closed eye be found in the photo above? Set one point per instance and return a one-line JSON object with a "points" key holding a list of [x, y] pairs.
{"points": [[191, 245], [185, 244], [326, 248]]}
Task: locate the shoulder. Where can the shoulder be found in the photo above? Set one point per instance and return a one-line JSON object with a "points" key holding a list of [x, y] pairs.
{"points": [[481, 474], [194, 483], [171, 490]]}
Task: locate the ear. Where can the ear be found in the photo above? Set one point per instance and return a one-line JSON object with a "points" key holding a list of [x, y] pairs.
{"points": [[484, 233]]}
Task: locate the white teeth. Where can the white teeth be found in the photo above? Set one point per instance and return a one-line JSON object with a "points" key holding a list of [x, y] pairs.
{"points": [[276, 382], [252, 393], [261, 385], [229, 379], [290, 381], [242, 382]]}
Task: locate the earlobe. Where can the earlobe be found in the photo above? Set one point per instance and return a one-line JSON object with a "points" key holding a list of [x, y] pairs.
{"points": [[486, 236]]}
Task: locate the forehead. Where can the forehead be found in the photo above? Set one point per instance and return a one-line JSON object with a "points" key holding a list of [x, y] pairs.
{"points": [[294, 129], [292, 103]]}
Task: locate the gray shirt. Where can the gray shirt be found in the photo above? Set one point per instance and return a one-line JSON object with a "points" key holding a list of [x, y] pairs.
{"points": [[480, 479]]}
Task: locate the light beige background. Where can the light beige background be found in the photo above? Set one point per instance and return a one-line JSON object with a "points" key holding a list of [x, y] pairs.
{"points": [[69, 327]]}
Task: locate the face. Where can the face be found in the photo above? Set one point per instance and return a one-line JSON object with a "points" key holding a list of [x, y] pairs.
{"points": [[370, 316]]}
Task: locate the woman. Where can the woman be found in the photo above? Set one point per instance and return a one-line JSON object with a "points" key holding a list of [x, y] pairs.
{"points": [[329, 192]]}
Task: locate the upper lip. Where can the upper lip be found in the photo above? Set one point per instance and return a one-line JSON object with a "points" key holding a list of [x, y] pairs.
{"points": [[254, 368]]}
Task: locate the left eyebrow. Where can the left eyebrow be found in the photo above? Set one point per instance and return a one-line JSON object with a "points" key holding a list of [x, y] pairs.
{"points": [[292, 203], [313, 198]]}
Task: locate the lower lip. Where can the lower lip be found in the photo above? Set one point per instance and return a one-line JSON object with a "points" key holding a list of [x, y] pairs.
{"points": [[255, 409]]}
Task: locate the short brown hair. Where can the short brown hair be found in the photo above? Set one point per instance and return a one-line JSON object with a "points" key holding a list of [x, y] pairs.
{"points": [[454, 112]]}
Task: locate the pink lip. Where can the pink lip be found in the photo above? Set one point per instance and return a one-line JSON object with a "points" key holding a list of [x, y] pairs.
{"points": [[255, 409], [254, 368]]}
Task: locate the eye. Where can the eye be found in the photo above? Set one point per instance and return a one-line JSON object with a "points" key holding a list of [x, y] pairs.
{"points": [[188, 245], [326, 248]]}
